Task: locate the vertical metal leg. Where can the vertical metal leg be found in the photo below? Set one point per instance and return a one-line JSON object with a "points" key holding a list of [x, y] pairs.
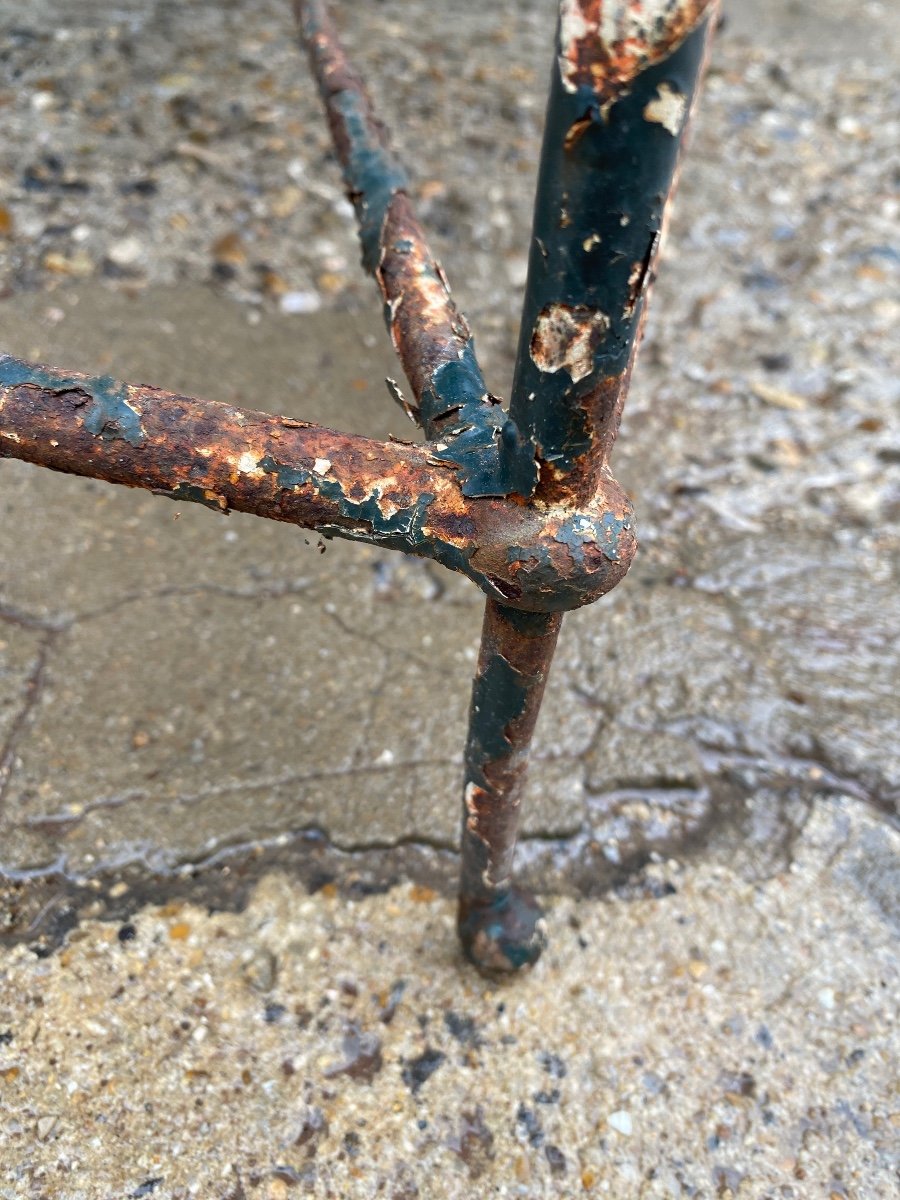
{"points": [[623, 83], [501, 927]]}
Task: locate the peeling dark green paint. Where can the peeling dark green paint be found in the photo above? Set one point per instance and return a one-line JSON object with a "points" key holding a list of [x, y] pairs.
{"points": [[603, 534], [403, 530], [109, 415], [598, 214], [457, 384], [493, 457], [372, 176], [191, 494], [403, 525], [578, 533], [498, 698], [371, 173]]}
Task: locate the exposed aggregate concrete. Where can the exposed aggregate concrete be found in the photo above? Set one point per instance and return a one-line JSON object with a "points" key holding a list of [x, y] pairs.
{"points": [[727, 1039]]}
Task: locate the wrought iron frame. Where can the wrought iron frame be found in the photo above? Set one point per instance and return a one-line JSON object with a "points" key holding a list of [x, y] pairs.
{"points": [[520, 500]]}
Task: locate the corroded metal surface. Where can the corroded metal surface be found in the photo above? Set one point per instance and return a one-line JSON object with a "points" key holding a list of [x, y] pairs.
{"points": [[430, 334], [620, 94], [392, 494], [604, 45], [523, 503], [622, 86], [501, 927]]}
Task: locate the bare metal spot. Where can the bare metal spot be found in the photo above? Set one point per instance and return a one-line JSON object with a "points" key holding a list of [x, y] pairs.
{"points": [[576, 130], [667, 109], [475, 798], [637, 21], [635, 285], [565, 338]]}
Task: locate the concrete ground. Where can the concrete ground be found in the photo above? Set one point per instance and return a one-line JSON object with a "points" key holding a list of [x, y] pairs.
{"points": [[204, 714], [730, 1039]]}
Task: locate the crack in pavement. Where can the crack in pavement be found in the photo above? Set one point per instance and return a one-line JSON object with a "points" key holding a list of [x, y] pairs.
{"points": [[26, 620], [32, 693], [371, 639], [61, 623], [216, 791]]}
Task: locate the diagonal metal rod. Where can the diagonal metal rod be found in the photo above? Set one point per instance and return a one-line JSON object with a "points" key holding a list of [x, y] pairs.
{"points": [[430, 334]]}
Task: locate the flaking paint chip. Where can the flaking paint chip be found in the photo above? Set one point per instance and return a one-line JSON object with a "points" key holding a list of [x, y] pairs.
{"points": [[565, 337], [667, 109], [322, 466]]}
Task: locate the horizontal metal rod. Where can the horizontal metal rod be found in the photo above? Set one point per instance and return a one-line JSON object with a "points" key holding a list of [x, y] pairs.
{"points": [[530, 556], [430, 334]]}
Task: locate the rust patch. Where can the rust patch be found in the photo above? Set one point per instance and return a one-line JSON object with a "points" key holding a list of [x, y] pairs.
{"points": [[604, 44], [426, 327], [565, 337]]}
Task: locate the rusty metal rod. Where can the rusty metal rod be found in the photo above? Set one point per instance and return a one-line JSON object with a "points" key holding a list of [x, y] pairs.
{"points": [[430, 334], [391, 494], [625, 78], [623, 81], [500, 925]]}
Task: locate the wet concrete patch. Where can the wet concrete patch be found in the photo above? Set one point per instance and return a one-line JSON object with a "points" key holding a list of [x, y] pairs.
{"points": [[744, 668]]}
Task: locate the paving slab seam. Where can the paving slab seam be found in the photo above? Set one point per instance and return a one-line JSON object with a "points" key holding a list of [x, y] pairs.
{"points": [[32, 694]]}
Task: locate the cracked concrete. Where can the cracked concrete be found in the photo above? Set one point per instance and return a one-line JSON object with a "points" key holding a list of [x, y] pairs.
{"points": [[23, 655], [210, 684]]}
